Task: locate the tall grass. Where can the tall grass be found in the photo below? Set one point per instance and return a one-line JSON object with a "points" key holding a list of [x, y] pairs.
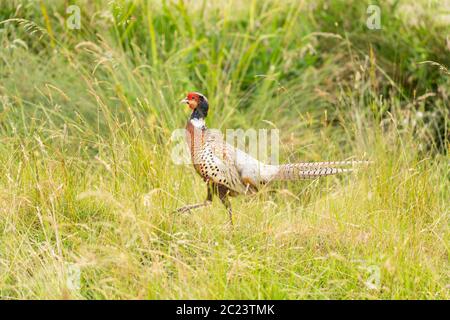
{"points": [[88, 183]]}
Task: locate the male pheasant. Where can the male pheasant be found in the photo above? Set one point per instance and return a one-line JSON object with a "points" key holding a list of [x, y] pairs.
{"points": [[229, 171]]}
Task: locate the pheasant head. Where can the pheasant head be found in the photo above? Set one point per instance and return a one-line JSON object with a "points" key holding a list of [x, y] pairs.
{"points": [[198, 104]]}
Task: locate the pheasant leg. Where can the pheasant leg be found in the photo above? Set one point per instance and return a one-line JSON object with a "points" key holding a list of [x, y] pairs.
{"points": [[198, 205], [193, 206]]}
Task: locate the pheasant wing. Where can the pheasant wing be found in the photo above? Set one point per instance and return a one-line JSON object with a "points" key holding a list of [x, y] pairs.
{"points": [[217, 164]]}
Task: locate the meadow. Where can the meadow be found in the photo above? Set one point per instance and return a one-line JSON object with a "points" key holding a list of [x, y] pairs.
{"points": [[88, 186]]}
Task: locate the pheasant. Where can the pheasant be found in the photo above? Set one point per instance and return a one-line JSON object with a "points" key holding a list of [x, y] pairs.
{"points": [[229, 171]]}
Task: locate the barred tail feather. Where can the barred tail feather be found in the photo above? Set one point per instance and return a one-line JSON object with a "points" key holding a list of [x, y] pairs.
{"points": [[298, 171], [330, 164]]}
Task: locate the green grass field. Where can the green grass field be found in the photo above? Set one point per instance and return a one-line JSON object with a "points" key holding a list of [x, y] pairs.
{"points": [[88, 186]]}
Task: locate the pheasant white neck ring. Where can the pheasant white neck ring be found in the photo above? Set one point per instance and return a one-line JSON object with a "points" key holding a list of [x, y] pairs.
{"points": [[198, 123]]}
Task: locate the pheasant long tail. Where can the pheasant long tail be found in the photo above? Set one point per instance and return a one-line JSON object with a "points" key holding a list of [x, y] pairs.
{"points": [[331, 164], [305, 170]]}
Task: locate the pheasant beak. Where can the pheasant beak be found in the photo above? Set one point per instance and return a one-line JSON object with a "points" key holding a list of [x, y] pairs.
{"points": [[191, 103]]}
